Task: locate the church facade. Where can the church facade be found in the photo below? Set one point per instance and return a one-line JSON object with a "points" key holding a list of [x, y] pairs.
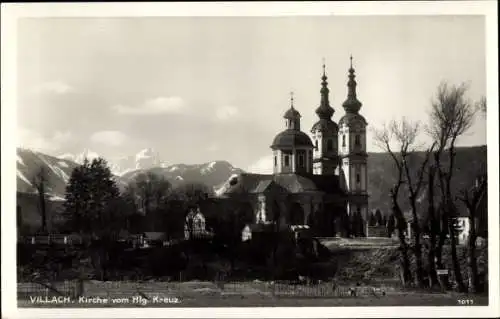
{"points": [[319, 180]]}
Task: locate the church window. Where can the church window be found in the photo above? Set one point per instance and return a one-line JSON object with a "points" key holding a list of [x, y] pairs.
{"points": [[287, 160], [301, 160], [275, 161], [343, 140], [316, 144], [357, 140], [329, 145], [358, 178]]}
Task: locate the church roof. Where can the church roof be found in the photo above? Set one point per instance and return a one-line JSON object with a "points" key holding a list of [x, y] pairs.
{"points": [[285, 183], [291, 113], [352, 117], [291, 137], [325, 125]]}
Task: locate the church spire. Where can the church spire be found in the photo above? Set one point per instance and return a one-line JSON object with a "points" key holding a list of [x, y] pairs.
{"points": [[351, 105], [324, 111]]}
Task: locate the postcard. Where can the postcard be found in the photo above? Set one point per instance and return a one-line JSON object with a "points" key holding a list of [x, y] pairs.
{"points": [[288, 159]]}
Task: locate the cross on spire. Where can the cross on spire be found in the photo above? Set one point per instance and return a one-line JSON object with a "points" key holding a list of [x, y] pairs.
{"points": [[291, 99], [324, 66], [351, 60]]}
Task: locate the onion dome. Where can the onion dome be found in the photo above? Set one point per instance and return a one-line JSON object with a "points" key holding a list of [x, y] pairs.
{"points": [[292, 113], [351, 105], [324, 125], [324, 110], [351, 118]]}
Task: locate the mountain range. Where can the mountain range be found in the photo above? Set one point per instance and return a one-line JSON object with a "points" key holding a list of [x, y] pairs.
{"points": [[29, 163], [470, 162]]}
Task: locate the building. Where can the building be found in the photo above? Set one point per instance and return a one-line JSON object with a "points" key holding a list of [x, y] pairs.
{"points": [[318, 180], [195, 225], [480, 214]]}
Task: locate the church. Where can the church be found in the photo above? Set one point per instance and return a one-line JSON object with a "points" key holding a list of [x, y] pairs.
{"points": [[318, 180]]}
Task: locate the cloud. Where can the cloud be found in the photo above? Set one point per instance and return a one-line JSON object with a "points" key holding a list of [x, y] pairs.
{"points": [[35, 141], [159, 105], [54, 87], [62, 137], [213, 148], [111, 138], [263, 165], [226, 112]]}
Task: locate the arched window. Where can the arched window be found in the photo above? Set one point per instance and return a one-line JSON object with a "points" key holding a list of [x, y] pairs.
{"points": [[357, 140], [358, 178], [329, 145], [316, 144], [275, 160], [343, 140], [287, 160]]}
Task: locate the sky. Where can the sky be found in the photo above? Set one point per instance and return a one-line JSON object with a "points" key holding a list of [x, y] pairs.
{"points": [[198, 89]]}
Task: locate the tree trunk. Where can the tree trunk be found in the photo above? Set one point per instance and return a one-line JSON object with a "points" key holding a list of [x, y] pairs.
{"points": [[433, 231], [403, 246], [417, 247], [431, 259], [471, 260], [456, 263], [417, 250], [443, 231]]}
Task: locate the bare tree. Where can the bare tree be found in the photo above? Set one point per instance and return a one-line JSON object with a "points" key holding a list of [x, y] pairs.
{"points": [[406, 133], [481, 105], [40, 181], [383, 138], [471, 200], [451, 116]]}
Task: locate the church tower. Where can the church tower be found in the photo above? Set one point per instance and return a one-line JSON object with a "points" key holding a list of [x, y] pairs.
{"points": [[325, 134], [352, 151], [292, 148]]}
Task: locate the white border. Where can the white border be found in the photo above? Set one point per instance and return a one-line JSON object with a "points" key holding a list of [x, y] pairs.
{"points": [[11, 12]]}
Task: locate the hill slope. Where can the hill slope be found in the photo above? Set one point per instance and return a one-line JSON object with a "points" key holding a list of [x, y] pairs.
{"points": [[29, 164], [382, 174]]}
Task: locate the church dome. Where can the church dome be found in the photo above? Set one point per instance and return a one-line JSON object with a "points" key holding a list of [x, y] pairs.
{"points": [[325, 125], [291, 138], [350, 118], [292, 113]]}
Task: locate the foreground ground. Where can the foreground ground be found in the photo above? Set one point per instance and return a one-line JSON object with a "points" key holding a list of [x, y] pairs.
{"points": [[251, 294], [368, 266]]}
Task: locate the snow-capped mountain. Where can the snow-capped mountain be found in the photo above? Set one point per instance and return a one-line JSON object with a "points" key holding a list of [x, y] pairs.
{"points": [[144, 159], [79, 158], [58, 172], [212, 174], [147, 158]]}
